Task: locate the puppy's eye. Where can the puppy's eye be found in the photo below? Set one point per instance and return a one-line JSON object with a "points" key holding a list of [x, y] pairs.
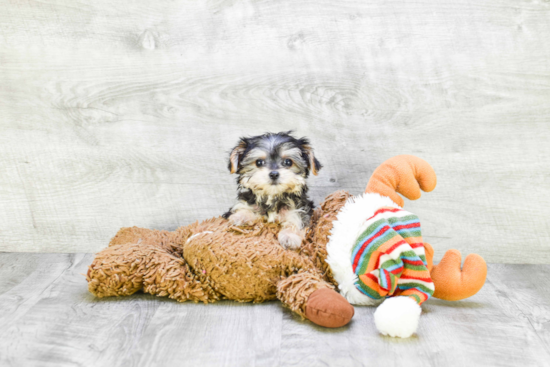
{"points": [[287, 162], [260, 163]]}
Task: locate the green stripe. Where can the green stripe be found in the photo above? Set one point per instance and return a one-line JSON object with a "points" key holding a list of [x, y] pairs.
{"points": [[375, 245], [411, 233], [370, 229], [408, 253], [422, 287], [372, 293], [416, 297], [406, 218], [390, 262], [414, 267]]}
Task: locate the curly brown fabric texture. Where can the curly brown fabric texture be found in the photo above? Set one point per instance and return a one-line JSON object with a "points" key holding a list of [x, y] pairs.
{"points": [[169, 241], [245, 263], [204, 262], [294, 291], [121, 270], [315, 243]]}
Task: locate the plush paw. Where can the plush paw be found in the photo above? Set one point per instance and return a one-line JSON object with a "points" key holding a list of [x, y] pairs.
{"points": [[289, 239], [242, 218], [397, 317], [326, 307]]}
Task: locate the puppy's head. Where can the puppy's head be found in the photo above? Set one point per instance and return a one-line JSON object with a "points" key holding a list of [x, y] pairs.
{"points": [[273, 164]]}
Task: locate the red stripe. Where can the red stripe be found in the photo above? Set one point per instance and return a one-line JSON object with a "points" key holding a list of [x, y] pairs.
{"points": [[388, 280], [416, 245], [384, 210], [427, 280], [366, 243], [372, 277], [397, 271], [413, 262], [404, 226], [389, 251]]}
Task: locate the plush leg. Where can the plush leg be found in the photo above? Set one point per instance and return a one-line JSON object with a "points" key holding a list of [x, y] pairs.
{"points": [[311, 297], [120, 270]]}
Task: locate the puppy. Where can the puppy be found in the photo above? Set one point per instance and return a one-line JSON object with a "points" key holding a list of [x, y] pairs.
{"points": [[272, 170]]}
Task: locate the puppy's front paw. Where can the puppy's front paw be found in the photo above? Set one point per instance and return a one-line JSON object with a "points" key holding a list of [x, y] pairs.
{"points": [[290, 239], [242, 218]]}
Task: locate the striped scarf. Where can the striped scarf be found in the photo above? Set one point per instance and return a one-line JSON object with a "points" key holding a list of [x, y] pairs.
{"points": [[388, 257]]}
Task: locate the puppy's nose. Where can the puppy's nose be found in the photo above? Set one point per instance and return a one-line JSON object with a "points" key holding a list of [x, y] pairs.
{"points": [[274, 175]]}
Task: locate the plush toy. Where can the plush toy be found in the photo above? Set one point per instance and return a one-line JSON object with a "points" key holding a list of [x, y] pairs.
{"points": [[367, 247]]}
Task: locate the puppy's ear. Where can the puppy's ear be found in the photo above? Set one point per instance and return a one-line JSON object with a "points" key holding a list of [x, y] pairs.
{"points": [[313, 164], [236, 156]]}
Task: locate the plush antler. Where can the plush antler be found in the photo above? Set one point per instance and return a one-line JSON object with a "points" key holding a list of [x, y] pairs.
{"points": [[404, 174], [451, 282]]}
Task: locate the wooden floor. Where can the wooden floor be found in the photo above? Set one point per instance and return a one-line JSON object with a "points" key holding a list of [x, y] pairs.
{"points": [[48, 318]]}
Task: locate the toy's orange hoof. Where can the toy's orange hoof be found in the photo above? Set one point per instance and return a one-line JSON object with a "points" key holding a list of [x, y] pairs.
{"points": [[452, 283], [328, 308]]}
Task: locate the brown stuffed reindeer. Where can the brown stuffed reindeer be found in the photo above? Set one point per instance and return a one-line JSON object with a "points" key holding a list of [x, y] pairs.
{"points": [[212, 260]]}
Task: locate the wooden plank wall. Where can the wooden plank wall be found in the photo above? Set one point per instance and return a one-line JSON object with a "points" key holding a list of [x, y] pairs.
{"points": [[121, 113]]}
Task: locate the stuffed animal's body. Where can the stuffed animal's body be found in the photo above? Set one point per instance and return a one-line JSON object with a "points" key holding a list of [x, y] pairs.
{"points": [[367, 246], [207, 262]]}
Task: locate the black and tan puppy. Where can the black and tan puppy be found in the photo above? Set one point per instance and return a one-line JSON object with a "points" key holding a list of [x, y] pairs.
{"points": [[272, 170]]}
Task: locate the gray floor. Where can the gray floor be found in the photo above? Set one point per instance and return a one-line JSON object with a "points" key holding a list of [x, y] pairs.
{"points": [[49, 319]]}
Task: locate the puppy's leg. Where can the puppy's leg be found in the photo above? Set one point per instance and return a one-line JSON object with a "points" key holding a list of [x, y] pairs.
{"points": [[243, 214], [292, 233]]}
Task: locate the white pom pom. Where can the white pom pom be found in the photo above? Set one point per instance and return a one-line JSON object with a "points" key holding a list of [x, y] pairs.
{"points": [[397, 317]]}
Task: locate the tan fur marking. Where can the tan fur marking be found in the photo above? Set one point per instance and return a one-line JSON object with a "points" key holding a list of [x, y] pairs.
{"points": [[235, 155], [309, 150]]}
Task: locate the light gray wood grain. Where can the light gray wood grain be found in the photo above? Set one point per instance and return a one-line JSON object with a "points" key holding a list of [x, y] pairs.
{"points": [[49, 319], [121, 114]]}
